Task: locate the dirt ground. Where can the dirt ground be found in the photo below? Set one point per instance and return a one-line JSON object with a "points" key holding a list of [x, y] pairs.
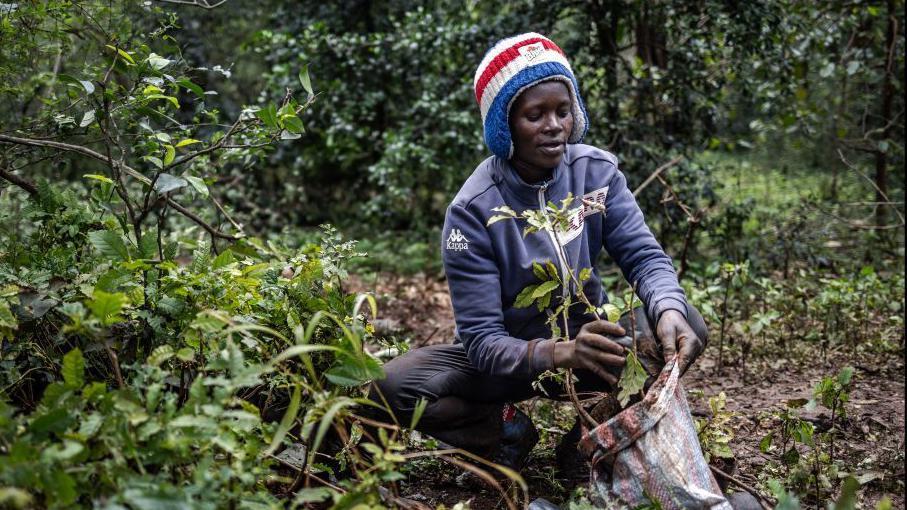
{"points": [[871, 442]]}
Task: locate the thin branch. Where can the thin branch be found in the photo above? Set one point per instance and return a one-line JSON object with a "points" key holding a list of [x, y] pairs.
{"points": [[874, 185], [204, 4], [22, 182], [125, 168], [763, 501], [655, 174]]}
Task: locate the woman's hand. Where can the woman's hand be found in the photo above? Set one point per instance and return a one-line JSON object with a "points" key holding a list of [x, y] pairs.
{"points": [[593, 351], [676, 335]]}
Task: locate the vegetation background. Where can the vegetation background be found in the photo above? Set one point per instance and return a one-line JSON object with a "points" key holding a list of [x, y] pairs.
{"points": [[181, 327]]}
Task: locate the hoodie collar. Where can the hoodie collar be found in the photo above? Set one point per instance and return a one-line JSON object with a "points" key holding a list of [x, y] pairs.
{"points": [[528, 194]]}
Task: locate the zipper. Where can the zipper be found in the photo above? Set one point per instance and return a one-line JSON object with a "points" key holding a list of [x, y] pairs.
{"points": [[558, 249]]}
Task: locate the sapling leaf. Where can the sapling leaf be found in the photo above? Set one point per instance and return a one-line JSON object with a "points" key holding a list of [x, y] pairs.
{"points": [[612, 312], [524, 298], [585, 273], [544, 288], [632, 379], [537, 270], [552, 270]]}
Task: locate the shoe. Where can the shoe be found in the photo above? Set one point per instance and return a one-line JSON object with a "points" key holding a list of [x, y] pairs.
{"points": [[518, 437]]}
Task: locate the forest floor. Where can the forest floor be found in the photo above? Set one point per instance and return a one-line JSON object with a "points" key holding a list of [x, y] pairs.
{"points": [[870, 444]]}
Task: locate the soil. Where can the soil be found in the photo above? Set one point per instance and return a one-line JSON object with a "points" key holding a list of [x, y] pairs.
{"points": [[870, 443]]}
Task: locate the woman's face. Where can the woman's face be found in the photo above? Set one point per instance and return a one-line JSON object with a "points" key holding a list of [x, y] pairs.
{"points": [[541, 120]]}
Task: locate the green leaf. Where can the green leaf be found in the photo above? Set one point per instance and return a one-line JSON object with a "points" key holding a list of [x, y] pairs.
{"points": [[286, 423], [766, 443], [148, 246], [524, 298], [160, 354], [305, 80], [74, 369], [311, 495], [543, 302], [87, 85], [539, 271], [87, 119], [354, 371], [612, 312], [328, 418], [293, 124], [169, 154], [845, 376], [632, 379], [187, 141], [585, 273], [417, 412], [544, 288], [496, 218], [109, 243], [186, 354], [848, 498], [157, 62], [98, 177], [126, 56], [106, 307], [198, 185], [552, 271], [189, 85], [224, 259], [171, 99], [268, 116], [155, 161], [167, 182]]}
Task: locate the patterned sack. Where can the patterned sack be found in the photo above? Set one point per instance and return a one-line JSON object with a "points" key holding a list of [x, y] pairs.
{"points": [[650, 452]]}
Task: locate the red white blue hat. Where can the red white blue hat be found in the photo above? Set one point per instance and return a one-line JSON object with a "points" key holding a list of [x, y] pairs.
{"points": [[511, 66]]}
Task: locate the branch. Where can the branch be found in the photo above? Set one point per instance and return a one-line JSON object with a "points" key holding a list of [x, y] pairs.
{"points": [[19, 181], [122, 166], [874, 185], [204, 4], [655, 174]]}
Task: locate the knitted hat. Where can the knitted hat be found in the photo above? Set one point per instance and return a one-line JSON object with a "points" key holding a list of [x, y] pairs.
{"points": [[511, 66]]}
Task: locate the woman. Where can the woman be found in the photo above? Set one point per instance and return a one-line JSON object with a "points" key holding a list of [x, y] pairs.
{"points": [[534, 121]]}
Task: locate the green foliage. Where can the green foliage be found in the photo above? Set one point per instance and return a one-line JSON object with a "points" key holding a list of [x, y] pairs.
{"points": [[715, 432], [632, 379]]}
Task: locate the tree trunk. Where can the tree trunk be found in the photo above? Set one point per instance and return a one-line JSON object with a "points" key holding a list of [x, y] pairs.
{"points": [[881, 177], [607, 24]]}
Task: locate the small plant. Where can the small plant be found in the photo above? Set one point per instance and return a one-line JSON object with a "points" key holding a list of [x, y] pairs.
{"points": [[715, 432], [555, 219]]}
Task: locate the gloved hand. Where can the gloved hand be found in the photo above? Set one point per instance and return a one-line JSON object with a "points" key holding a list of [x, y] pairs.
{"points": [[593, 351], [676, 335]]}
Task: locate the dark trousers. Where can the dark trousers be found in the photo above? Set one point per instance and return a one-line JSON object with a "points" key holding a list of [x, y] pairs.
{"points": [[464, 405]]}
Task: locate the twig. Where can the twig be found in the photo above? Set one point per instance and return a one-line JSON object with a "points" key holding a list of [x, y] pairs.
{"points": [[874, 185], [127, 169], [204, 4], [114, 360], [655, 174], [21, 182]]}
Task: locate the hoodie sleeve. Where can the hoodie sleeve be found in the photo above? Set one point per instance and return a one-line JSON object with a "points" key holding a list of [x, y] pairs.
{"points": [[641, 259], [475, 291]]}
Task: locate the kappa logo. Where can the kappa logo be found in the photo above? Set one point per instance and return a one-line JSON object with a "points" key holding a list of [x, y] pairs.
{"points": [[456, 241], [531, 51]]}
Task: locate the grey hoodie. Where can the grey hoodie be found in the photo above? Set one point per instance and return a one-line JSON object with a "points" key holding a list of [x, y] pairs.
{"points": [[488, 266]]}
